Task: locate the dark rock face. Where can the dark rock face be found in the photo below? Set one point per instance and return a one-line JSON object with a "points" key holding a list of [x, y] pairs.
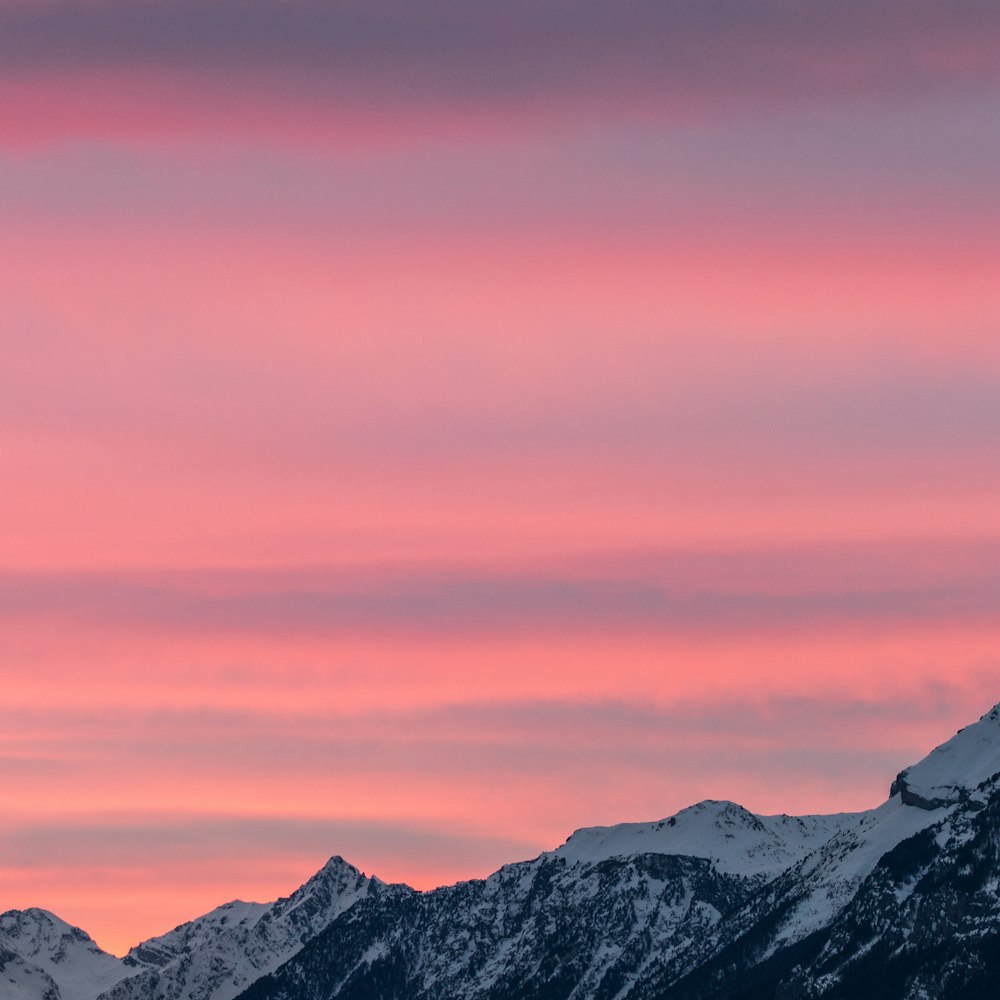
{"points": [[901, 902], [927, 921], [924, 922], [923, 925], [909, 797], [541, 930], [220, 954]]}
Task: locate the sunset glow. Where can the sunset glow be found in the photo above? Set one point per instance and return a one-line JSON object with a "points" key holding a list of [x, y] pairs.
{"points": [[428, 429]]}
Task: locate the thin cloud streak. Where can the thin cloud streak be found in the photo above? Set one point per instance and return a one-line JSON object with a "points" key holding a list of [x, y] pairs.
{"points": [[530, 770], [557, 727], [153, 840], [633, 593], [928, 166], [266, 64], [521, 47], [816, 743], [891, 407]]}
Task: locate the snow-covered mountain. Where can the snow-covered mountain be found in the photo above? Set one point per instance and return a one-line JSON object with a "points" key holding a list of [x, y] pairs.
{"points": [[735, 840], [218, 955], [901, 902], [211, 958], [44, 958], [951, 771], [714, 902]]}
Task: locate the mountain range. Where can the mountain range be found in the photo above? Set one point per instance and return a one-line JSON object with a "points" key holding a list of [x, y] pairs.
{"points": [[900, 902]]}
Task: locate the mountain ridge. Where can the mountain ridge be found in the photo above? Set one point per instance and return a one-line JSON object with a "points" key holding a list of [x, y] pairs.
{"points": [[714, 901]]}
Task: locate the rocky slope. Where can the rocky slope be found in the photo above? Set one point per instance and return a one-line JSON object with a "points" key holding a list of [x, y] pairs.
{"points": [[901, 902], [712, 903], [44, 958], [216, 956]]}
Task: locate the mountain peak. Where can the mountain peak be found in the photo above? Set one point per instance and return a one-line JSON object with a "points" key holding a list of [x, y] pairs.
{"points": [[39, 928], [337, 876], [59, 959], [895, 901], [216, 956], [339, 865], [723, 832], [950, 772]]}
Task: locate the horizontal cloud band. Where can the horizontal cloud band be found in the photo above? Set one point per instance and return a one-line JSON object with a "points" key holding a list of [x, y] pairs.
{"points": [[446, 60], [850, 585]]}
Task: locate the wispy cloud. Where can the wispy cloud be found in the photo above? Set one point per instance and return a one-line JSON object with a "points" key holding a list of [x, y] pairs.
{"points": [[440, 59], [835, 737], [860, 586], [165, 841], [220, 802], [404, 304]]}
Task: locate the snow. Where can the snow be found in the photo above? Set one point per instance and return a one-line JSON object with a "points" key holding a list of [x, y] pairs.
{"points": [[50, 948], [955, 768], [737, 841], [218, 955], [815, 864], [833, 874]]}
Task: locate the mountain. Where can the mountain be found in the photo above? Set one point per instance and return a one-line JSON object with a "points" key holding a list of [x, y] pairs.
{"points": [[949, 773], [44, 958], [734, 839], [900, 902], [216, 956], [603, 917], [714, 903]]}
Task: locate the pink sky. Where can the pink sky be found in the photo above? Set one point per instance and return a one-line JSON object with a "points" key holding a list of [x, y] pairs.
{"points": [[424, 435]]}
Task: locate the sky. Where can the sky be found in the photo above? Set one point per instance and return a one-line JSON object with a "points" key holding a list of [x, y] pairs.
{"points": [[427, 429]]}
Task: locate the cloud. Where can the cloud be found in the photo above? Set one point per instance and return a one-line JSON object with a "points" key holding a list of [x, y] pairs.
{"points": [[165, 841], [168, 806], [853, 586], [833, 735], [888, 162], [439, 58]]}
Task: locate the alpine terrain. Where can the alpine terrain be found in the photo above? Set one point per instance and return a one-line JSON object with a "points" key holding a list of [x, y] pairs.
{"points": [[901, 902]]}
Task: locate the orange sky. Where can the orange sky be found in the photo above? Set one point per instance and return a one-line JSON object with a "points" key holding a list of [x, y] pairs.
{"points": [[424, 437]]}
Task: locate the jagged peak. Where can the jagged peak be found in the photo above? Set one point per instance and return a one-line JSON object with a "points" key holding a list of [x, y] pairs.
{"points": [[39, 924], [336, 873], [54, 959], [36, 914], [339, 864]]}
